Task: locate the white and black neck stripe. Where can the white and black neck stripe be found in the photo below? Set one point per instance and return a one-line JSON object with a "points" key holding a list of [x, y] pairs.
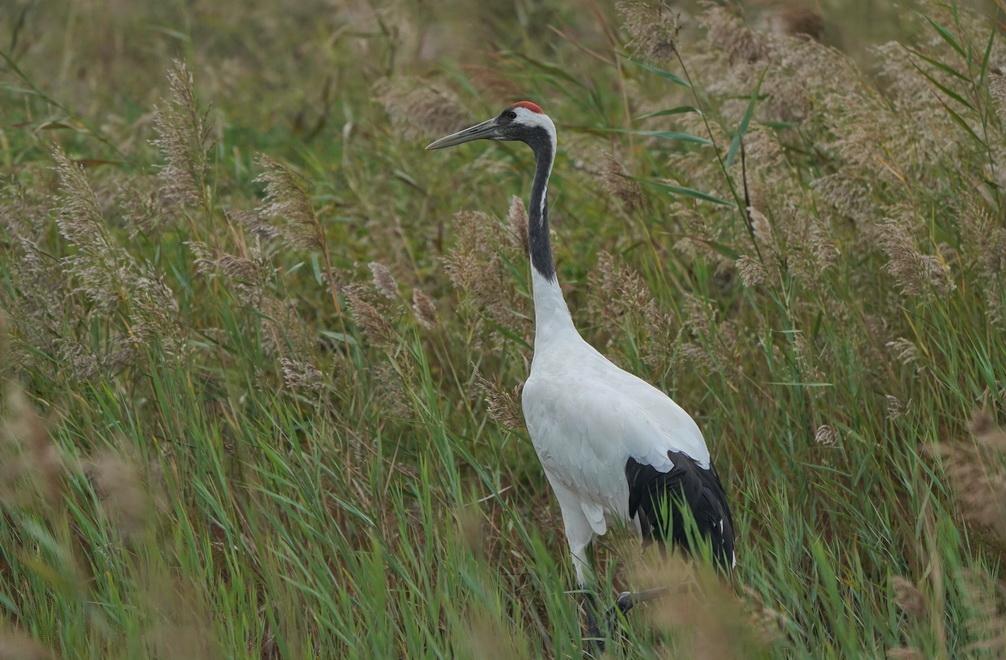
{"points": [[535, 129], [552, 319], [543, 145]]}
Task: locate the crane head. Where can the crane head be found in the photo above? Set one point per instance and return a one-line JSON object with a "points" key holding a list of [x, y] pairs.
{"points": [[522, 121]]}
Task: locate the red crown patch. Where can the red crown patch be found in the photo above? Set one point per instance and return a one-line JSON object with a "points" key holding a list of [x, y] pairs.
{"points": [[533, 107]]}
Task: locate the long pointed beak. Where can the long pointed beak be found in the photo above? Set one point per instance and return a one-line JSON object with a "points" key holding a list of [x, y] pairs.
{"points": [[486, 129]]}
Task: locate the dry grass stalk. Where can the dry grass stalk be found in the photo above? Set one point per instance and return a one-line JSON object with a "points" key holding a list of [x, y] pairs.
{"points": [[504, 407], [983, 245], [894, 407], [847, 195], [488, 637], [30, 462], [619, 185], [909, 599], [246, 276], [977, 473], [15, 645], [391, 383], [78, 213], [255, 224], [476, 267], [121, 490], [621, 300], [906, 352], [914, 273], [652, 25], [371, 320], [905, 653], [713, 343], [997, 89], [424, 309], [517, 222], [762, 229], [621, 292], [137, 200], [39, 299], [727, 32], [751, 271], [420, 109], [769, 623], [838, 110], [115, 283], [180, 626], [384, 281], [798, 240], [986, 616], [301, 375], [801, 21], [184, 139], [826, 436], [285, 333], [288, 208], [707, 619], [807, 359], [288, 205]]}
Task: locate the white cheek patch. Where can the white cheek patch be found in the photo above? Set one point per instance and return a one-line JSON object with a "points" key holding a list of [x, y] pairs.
{"points": [[527, 117]]}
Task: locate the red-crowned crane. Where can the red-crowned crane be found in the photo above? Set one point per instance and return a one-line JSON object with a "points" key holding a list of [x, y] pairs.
{"points": [[613, 447]]}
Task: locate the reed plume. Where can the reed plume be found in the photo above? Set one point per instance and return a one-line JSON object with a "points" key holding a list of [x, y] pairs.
{"points": [[184, 138]]}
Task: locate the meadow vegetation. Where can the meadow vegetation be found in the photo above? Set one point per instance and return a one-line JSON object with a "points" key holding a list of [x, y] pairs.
{"points": [[262, 354]]}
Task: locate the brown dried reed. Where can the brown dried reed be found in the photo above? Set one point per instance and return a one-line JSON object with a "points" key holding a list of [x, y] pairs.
{"points": [[504, 406], [184, 138], [420, 109], [653, 27], [977, 473]]}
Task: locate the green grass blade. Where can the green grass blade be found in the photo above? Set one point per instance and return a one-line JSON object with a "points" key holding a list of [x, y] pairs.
{"points": [[742, 129], [666, 75], [686, 192]]}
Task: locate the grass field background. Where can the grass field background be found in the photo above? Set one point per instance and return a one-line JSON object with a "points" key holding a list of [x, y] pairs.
{"points": [[262, 353]]}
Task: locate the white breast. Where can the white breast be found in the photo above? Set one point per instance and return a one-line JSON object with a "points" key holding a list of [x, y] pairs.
{"points": [[587, 417]]}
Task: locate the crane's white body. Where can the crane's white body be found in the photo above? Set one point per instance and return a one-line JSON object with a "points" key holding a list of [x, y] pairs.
{"points": [[587, 417]]}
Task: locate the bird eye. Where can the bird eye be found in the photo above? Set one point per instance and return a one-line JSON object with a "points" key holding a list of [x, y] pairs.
{"points": [[510, 114]]}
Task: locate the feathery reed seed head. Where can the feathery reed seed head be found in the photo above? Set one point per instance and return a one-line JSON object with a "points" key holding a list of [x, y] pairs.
{"points": [[384, 281], [184, 140], [420, 109], [368, 317], [15, 645], [517, 222], [424, 309], [504, 407], [910, 600], [652, 26], [120, 488], [287, 204]]}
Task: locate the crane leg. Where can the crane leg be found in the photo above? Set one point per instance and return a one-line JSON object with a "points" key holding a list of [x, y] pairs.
{"points": [[594, 639], [578, 544], [580, 535], [629, 599]]}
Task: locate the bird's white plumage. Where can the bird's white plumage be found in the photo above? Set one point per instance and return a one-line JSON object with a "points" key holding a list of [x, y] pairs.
{"points": [[587, 417]]}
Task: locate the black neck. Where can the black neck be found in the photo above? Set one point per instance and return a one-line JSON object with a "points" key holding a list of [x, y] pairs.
{"points": [[537, 216]]}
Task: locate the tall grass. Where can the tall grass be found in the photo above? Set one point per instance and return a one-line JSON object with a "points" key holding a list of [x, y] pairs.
{"points": [[262, 354]]}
